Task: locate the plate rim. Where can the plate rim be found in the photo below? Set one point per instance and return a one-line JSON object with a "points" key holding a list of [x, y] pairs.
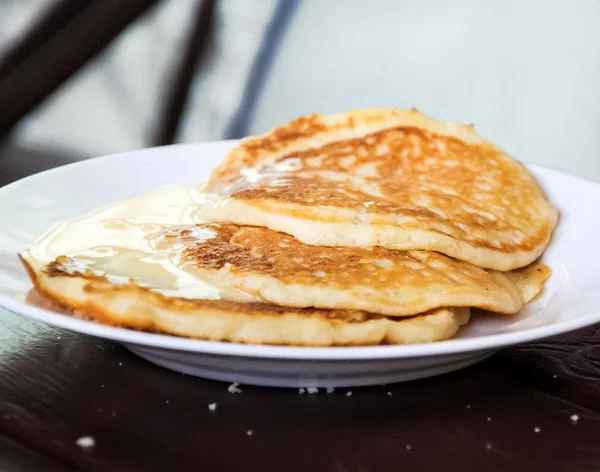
{"points": [[220, 348]]}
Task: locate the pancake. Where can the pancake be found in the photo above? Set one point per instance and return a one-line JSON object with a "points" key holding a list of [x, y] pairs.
{"points": [[390, 178], [363, 228], [255, 264], [93, 297], [279, 269]]}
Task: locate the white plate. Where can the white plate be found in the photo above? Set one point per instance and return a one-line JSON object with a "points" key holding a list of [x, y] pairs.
{"points": [[29, 207]]}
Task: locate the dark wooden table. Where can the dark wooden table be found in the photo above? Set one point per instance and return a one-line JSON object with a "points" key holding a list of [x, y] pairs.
{"points": [[532, 408]]}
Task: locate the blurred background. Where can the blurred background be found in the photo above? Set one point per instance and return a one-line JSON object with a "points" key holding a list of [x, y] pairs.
{"points": [[84, 78]]}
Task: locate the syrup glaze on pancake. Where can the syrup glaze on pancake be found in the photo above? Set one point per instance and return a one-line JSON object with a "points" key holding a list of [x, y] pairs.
{"points": [[386, 177], [123, 241], [89, 296]]}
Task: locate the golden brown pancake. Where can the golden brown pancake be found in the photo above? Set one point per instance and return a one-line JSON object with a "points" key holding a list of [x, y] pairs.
{"points": [[369, 227], [129, 306], [255, 264], [279, 269], [390, 178]]}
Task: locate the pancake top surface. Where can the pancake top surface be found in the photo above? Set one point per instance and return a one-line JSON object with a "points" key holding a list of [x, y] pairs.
{"points": [[247, 249], [381, 167], [277, 268]]}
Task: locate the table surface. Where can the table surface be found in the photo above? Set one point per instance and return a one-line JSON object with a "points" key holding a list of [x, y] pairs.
{"points": [[512, 412]]}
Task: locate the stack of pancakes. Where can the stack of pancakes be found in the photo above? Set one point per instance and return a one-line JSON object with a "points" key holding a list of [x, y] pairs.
{"points": [[366, 227]]}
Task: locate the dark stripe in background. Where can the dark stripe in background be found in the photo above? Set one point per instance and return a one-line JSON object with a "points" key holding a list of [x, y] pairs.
{"points": [[284, 12]]}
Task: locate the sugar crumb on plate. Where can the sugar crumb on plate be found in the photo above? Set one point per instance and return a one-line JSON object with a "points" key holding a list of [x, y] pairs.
{"points": [[86, 442], [574, 419]]}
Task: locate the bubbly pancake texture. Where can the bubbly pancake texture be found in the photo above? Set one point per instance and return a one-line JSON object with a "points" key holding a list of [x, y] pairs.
{"points": [[390, 178], [257, 264], [130, 306], [277, 268]]}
